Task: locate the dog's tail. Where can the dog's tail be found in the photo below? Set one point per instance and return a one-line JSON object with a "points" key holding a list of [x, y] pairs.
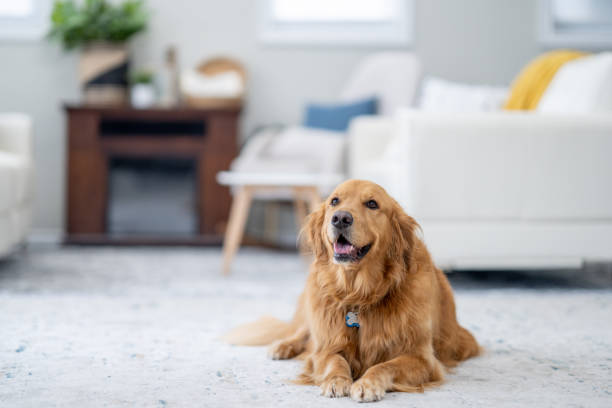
{"points": [[260, 333]]}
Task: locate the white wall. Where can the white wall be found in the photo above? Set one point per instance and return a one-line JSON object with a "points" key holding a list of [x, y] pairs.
{"points": [[478, 41]]}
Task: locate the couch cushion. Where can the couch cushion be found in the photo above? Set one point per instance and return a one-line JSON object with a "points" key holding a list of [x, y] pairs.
{"points": [[392, 76], [439, 95], [533, 80], [581, 86], [14, 181], [297, 141], [337, 116]]}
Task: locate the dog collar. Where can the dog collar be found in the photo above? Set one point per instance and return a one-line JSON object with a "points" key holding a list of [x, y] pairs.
{"points": [[352, 319]]}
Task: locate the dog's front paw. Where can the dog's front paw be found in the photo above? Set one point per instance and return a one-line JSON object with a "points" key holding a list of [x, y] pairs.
{"points": [[283, 350], [367, 390], [336, 387]]}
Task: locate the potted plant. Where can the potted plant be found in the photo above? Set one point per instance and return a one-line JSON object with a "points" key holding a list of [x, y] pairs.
{"points": [[101, 29], [142, 91]]}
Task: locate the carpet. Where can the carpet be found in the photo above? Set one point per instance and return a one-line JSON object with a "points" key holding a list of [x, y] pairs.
{"points": [[137, 327]]}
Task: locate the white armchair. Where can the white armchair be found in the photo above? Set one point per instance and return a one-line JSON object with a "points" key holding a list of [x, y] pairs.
{"points": [[496, 190], [390, 76], [16, 173]]}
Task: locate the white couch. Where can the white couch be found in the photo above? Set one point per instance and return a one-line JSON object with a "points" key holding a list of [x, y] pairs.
{"points": [[16, 173], [496, 190]]}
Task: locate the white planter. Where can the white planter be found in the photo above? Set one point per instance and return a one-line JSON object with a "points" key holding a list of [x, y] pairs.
{"points": [[142, 95]]}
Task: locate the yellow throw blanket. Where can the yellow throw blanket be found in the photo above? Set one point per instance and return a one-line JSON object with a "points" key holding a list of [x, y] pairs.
{"points": [[529, 86]]}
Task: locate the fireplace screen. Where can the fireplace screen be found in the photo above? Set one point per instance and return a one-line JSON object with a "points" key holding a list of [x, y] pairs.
{"points": [[152, 197]]}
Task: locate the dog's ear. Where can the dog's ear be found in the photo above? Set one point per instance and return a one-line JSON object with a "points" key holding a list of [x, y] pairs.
{"points": [[404, 239], [312, 233]]}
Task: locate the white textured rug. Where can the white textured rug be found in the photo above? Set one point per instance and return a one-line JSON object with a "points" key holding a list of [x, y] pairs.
{"points": [[138, 327]]}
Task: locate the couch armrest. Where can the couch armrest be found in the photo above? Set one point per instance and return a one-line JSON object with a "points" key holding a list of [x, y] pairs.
{"points": [[16, 134], [254, 148], [369, 137]]}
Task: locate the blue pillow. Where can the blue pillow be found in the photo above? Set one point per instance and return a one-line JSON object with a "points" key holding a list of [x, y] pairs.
{"points": [[337, 116]]}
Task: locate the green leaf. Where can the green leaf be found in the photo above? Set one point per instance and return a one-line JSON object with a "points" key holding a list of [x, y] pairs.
{"points": [[76, 24]]}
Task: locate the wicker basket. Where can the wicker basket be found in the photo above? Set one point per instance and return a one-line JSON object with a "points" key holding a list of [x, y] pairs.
{"points": [[212, 67]]}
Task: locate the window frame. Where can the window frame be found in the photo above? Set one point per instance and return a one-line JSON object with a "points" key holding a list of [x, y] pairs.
{"points": [[398, 33], [550, 37], [32, 27]]}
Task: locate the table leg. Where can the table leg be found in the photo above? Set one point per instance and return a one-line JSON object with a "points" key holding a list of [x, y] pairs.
{"points": [[239, 212], [314, 198], [299, 207]]}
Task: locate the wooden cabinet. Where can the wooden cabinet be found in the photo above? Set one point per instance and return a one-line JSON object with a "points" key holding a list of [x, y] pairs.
{"points": [[97, 134]]}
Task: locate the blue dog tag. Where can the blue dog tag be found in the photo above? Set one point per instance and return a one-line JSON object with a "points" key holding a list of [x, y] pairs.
{"points": [[352, 319]]}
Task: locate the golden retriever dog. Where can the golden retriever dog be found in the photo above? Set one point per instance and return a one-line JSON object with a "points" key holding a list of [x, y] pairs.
{"points": [[376, 314]]}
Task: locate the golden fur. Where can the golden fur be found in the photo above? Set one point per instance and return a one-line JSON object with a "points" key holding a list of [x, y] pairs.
{"points": [[408, 330]]}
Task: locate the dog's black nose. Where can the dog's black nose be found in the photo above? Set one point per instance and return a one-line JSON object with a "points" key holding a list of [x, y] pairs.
{"points": [[342, 219]]}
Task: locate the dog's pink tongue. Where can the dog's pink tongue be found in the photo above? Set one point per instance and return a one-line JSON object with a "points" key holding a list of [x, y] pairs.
{"points": [[342, 248]]}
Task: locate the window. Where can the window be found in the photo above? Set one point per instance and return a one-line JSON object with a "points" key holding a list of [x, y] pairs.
{"points": [[24, 19], [336, 22], [15, 9], [577, 23]]}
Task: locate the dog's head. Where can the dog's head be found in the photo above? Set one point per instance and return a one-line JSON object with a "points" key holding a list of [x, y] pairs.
{"points": [[360, 224]]}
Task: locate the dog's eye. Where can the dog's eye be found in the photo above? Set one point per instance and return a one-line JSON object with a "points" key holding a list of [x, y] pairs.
{"points": [[372, 204], [334, 202]]}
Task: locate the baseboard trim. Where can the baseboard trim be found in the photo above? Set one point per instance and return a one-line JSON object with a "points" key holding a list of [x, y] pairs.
{"points": [[45, 236]]}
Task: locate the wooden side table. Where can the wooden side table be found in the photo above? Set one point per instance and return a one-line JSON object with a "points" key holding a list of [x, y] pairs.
{"points": [[97, 134], [305, 189]]}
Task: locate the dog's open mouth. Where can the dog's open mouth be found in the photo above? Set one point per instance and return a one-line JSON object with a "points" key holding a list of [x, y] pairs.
{"points": [[344, 251]]}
